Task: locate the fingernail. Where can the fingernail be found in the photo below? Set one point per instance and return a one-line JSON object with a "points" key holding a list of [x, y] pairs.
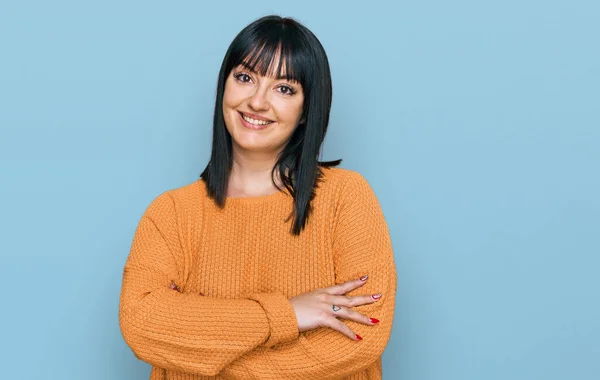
{"points": [[364, 278], [374, 320], [376, 296], [358, 337]]}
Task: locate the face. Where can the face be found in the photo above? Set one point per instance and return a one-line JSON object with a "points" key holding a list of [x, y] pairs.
{"points": [[261, 112]]}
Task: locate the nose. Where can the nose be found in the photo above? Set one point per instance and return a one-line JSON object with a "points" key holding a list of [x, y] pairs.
{"points": [[258, 101]]}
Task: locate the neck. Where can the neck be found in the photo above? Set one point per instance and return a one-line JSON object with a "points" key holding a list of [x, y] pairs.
{"points": [[251, 174]]}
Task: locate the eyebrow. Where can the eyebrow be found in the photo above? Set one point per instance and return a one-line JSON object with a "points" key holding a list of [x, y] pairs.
{"points": [[279, 77]]}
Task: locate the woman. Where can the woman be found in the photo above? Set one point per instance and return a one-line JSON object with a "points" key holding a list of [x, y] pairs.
{"points": [[273, 265]]}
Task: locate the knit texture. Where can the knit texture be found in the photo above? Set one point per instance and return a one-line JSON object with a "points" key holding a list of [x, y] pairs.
{"points": [[206, 291]]}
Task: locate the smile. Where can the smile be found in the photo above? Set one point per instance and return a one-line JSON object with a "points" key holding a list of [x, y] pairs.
{"points": [[254, 123]]}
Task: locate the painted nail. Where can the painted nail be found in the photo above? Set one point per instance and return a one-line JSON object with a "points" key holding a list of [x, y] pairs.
{"points": [[374, 320], [376, 296], [174, 286], [364, 278], [358, 337]]}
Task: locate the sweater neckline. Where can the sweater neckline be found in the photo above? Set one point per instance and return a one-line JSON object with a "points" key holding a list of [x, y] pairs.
{"points": [[257, 198], [253, 199]]}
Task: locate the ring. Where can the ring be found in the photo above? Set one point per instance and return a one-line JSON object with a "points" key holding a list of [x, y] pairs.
{"points": [[336, 308]]}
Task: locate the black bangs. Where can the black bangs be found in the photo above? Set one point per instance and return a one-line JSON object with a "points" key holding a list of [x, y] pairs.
{"points": [[272, 49]]}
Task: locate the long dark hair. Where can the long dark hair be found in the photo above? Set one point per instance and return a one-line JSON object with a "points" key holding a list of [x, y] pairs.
{"points": [[306, 62]]}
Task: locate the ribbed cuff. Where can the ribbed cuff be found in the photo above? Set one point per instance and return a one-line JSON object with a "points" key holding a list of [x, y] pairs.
{"points": [[281, 315]]}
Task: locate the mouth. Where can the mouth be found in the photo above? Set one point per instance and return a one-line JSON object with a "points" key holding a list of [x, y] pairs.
{"points": [[254, 123]]}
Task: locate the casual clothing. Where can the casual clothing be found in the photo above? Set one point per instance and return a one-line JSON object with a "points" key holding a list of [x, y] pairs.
{"points": [[206, 291]]}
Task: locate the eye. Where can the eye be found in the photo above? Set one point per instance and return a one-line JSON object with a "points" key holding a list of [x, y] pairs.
{"points": [[286, 90], [242, 77]]}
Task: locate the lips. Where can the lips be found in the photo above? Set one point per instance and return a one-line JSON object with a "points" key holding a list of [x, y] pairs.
{"points": [[250, 124], [255, 117]]}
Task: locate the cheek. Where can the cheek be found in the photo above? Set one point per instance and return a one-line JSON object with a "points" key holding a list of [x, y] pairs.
{"points": [[298, 107], [290, 112], [232, 95], [228, 97]]}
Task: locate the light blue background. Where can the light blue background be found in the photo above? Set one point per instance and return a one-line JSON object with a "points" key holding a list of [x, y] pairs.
{"points": [[475, 122]]}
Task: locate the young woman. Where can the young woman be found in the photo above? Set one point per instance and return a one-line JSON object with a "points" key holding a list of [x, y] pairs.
{"points": [[273, 265]]}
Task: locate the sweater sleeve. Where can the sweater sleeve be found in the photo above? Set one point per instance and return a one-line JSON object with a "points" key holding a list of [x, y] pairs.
{"points": [[362, 245], [188, 332]]}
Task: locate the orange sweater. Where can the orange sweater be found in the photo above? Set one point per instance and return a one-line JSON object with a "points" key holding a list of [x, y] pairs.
{"points": [[236, 268]]}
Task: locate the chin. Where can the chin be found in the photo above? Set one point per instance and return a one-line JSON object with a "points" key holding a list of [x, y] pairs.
{"points": [[248, 142]]}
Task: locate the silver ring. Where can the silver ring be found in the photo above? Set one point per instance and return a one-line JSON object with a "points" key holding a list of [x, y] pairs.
{"points": [[336, 308]]}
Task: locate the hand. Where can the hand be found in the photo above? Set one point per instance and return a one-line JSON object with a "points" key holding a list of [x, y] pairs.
{"points": [[316, 309]]}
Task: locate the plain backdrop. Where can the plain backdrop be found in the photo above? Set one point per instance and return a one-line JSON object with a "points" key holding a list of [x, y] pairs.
{"points": [[476, 123]]}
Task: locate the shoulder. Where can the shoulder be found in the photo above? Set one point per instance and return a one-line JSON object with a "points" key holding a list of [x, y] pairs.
{"points": [[346, 181], [356, 198], [340, 177], [347, 189], [189, 192], [177, 199]]}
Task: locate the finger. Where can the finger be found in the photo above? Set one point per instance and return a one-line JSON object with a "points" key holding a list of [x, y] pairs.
{"points": [[353, 315], [346, 287], [353, 301], [340, 326]]}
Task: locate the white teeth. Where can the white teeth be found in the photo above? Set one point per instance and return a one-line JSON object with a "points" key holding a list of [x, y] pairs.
{"points": [[255, 122]]}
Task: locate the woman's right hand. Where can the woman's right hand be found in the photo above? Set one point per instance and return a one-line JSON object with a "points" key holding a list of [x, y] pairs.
{"points": [[315, 309]]}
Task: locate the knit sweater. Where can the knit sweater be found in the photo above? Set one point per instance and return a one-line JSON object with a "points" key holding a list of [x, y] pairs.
{"points": [[205, 292]]}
